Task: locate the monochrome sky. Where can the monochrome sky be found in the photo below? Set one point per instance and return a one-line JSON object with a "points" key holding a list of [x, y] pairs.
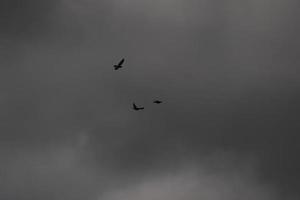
{"points": [[227, 71]]}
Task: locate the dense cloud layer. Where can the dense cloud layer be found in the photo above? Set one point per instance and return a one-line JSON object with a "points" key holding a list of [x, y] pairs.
{"points": [[226, 71]]}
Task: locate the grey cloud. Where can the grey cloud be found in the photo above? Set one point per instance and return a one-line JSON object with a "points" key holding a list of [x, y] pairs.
{"points": [[195, 180], [226, 71], [25, 18]]}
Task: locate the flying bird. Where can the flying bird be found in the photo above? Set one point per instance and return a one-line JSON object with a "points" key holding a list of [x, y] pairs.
{"points": [[137, 108], [157, 102], [119, 65]]}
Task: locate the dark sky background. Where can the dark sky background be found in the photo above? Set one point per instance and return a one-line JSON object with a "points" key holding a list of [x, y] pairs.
{"points": [[227, 71]]}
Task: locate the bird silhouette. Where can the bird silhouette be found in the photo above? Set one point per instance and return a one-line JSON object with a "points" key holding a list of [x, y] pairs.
{"points": [[119, 65], [157, 102], [137, 108]]}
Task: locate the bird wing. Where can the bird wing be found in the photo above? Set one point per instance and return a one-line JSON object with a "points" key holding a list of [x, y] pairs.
{"points": [[121, 62], [134, 106]]}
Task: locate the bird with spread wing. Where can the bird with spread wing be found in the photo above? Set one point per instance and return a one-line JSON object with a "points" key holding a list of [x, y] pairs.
{"points": [[157, 101], [119, 65]]}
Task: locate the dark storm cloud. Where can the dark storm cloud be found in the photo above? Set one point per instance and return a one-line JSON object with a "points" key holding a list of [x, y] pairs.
{"points": [[226, 71]]}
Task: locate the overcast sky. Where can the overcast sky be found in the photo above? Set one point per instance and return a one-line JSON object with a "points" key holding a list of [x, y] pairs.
{"points": [[227, 71]]}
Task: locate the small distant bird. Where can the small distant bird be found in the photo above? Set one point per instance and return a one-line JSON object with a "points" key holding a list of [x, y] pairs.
{"points": [[119, 65], [157, 102], [137, 108]]}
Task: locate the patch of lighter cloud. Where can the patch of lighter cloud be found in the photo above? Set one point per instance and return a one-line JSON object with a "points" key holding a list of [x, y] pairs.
{"points": [[193, 184]]}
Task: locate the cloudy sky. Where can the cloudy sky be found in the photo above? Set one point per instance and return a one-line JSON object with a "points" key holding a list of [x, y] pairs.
{"points": [[227, 71]]}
